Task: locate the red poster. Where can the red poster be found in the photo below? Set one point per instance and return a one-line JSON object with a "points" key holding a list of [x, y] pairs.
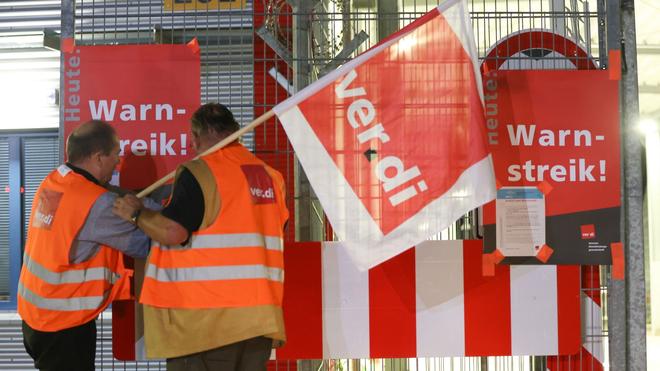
{"points": [[556, 134], [147, 92]]}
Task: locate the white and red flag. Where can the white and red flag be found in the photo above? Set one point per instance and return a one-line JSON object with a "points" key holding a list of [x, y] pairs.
{"points": [[393, 141]]}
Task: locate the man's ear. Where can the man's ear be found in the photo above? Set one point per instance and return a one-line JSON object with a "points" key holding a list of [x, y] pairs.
{"points": [[210, 133], [96, 156], [195, 138]]}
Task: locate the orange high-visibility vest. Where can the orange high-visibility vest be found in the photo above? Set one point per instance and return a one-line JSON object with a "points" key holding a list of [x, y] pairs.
{"points": [[54, 294], [237, 260]]}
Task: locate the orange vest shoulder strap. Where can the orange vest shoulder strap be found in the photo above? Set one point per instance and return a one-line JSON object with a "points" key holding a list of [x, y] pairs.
{"points": [[204, 176]]}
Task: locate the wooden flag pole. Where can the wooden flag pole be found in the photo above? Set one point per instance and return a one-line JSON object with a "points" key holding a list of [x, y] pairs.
{"points": [[235, 135]]}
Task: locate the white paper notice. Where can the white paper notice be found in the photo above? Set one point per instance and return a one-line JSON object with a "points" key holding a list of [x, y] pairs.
{"points": [[520, 220]]}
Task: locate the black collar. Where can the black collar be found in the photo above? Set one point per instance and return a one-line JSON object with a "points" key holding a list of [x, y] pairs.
{"points": [[84, 173]]}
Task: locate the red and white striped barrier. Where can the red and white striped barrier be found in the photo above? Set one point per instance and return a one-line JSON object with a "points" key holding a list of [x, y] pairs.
{"points": [[591, 355], [429, 301]]}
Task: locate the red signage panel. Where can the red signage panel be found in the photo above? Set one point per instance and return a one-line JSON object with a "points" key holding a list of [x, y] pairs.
{"points": [[558, 132], [147, 92]]}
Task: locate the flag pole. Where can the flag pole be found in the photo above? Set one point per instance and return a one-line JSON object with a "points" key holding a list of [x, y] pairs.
{"points": [[235, 135]]}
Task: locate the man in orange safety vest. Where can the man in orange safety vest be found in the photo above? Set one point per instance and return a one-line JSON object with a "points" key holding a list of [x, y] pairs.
{"points": [[73, 265], [213, 284]]}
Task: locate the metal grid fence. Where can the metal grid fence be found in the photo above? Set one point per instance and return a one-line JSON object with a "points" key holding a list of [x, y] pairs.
{"points": [[254, 54]]}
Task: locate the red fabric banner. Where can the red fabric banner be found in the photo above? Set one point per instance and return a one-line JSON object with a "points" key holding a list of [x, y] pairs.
{"points": [[393, 141], [147, 92]]}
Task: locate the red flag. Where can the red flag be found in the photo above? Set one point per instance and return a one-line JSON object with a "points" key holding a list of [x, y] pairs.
{"points": [[392, 142]]}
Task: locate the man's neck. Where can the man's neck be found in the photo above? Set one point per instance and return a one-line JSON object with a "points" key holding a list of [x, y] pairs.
{"points": [[82, 170], [203, 147]]}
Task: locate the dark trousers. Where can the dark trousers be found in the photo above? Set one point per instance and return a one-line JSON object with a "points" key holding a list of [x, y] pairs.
{"points": [[71, 349], [247, 355]]}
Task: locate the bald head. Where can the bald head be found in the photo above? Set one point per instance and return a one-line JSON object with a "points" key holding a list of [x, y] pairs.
{"points": [[89, 138]]}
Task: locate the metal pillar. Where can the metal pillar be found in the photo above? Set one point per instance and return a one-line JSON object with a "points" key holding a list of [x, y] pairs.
{"points": [[616, 324], [616, 291], [15, 217], [308, 225], [388, 18], [633, 202], [559, 19], [346, 22]]}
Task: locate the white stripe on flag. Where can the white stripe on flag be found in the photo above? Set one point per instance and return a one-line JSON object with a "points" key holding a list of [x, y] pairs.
{"points": [[440, 305], [457, 16], [345, 305], [534, 322]]}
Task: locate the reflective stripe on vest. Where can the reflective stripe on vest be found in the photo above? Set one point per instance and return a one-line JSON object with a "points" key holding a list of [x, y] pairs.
{"points": [[69, 276], [227, 272], [70, 304], [213, 241]]}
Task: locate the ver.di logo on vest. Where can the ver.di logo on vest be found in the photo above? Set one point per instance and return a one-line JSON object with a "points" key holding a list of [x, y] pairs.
{"points": [[44, 214], [260, 193], [260, 184]]}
